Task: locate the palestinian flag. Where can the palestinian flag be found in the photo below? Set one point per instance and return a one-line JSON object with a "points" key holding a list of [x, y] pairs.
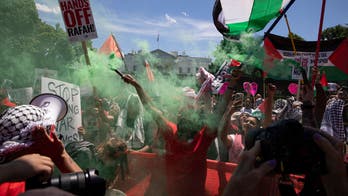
{"points": [[332, 56], [110, 47], [232, 17]]}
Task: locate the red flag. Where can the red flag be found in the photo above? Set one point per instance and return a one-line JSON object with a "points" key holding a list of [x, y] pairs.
{"points": [[7, 102], [262, 106], [339, 56], [110, 46], [323, 81], [149, 73], [235, 63], [271, 50]]}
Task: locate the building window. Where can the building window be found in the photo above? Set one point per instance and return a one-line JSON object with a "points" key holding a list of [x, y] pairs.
{"points": [[134, 68], [189, 70], [180, 70]]}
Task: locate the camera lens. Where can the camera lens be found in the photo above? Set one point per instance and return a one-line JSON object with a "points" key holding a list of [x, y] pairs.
{"points": [[80, 183]]}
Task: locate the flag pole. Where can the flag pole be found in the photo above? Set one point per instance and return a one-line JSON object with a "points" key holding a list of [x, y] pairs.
{"points": [[318, 41], [157, 40], [85, 51], [295, 52], [119, 48], [290, 34], [278, 18]]}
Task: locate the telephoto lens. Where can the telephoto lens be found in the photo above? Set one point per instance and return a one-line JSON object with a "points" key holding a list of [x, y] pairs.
{"points": [[80, 183]]}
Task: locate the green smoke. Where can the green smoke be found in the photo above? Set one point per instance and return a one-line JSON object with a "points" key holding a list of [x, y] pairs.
{"points": [[249, 50]]}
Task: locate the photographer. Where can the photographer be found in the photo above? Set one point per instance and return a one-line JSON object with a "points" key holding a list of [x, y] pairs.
{"points": [[246, 178], [37, 160], [32, 148]]}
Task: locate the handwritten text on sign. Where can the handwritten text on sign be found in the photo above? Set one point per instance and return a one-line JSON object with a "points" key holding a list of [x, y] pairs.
{"points": [[71, 94], [78, 19]]}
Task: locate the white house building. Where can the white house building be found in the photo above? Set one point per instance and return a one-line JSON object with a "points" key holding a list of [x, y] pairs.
{"points": [[166, 62]]}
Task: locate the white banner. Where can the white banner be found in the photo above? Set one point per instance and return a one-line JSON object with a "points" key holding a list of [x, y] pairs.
{"points": [[78, 19], [67, 128], [307, 58]]}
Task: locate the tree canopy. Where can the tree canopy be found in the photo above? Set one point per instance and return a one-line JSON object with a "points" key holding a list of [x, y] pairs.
{"points": [[28, 43], [335, 32]]}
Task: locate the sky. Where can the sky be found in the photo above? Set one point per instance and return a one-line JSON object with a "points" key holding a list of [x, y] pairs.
{"points": [[185, 25]]}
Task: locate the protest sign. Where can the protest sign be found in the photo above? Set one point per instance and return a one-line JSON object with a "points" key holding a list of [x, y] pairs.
{"points": [[68, 127], [78, 19]]}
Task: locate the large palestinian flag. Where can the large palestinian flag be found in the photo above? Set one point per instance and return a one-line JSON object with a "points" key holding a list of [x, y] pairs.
{"points": [[232, 17], [332, 56]]}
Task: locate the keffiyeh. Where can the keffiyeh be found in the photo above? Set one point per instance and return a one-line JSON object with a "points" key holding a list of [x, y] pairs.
{"points": [[16, 126]]}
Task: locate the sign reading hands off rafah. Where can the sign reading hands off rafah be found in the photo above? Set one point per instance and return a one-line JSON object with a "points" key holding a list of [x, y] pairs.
{"points": [[78, 19], [67, 128]]}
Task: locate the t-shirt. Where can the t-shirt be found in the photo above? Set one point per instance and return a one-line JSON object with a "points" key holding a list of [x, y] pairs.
{"points": [[236, 149], [186, 165]]}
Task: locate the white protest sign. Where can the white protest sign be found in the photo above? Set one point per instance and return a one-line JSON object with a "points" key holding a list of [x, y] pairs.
{"points": [[78, 19], [296, 73], [67, 128]]}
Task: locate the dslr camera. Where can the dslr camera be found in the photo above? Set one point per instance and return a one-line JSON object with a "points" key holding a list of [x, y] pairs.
{"points": [[291, 144], [80, 183]]}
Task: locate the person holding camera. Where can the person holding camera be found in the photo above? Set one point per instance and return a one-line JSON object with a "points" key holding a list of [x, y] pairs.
{"points": [[36, 170], [36, 154], [246, 178]]}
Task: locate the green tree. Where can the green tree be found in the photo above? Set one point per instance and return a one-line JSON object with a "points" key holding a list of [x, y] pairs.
{"points": [[28, 43], [296, 37], [335, 32]]}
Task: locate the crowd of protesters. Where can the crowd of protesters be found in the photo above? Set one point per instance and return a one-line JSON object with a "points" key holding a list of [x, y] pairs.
{"points": [[206, 126]]}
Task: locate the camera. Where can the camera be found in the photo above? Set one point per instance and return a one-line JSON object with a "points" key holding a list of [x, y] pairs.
{"points": [[79, 183], [291, 145]]}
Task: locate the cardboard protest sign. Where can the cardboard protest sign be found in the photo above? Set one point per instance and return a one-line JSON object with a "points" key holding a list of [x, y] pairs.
{"points": [[67, 127], [78, 19]]}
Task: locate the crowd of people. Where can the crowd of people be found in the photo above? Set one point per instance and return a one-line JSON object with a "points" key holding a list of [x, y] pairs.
{"points": [[206, 126]]}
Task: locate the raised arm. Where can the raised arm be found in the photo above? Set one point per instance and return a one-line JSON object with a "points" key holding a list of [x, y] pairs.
{"points": [[222, 104], [320, 98], [224, 125], [146, 101], [308, 116], [271, 89]]}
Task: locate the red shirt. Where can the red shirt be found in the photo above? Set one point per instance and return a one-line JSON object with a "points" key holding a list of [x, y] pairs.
{"points": [[12, 188], [186, 164]]}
